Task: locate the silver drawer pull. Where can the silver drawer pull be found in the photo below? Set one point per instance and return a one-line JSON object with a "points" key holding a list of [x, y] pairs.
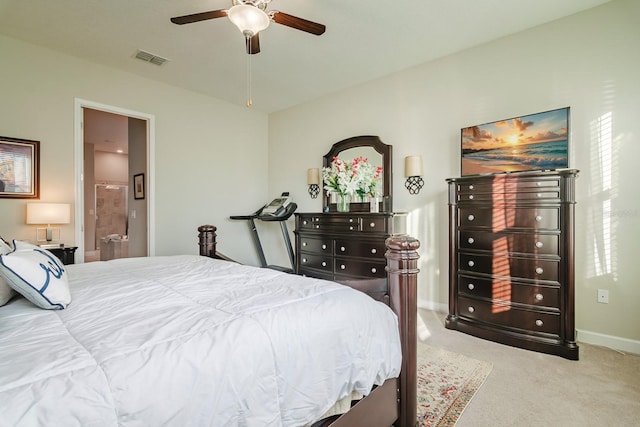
{"points": [[538, 218], [539, 244], [471, 217], [471, 187], [304, 260], [538, 194], [317, 226], [350, 219], [470, 196], [304, 243], [324, 263], [539, 184], [372, 225], [471, 309], [539, 297], [471, 263], [374, 251], [373, 270], [539, 322], [471, 286], [304, 222], [351, 228], [539, 270], [470, 240], [342, 267], [342, 248], [324, 246]]}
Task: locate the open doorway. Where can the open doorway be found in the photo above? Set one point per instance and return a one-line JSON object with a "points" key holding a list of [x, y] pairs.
{"points": [[112, 220]]}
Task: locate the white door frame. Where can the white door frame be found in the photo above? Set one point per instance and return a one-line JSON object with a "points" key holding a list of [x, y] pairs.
{"points": [[78, 136]]}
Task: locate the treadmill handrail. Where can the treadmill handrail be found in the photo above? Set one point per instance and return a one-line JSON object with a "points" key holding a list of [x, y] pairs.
{"points": [[288, 211]]}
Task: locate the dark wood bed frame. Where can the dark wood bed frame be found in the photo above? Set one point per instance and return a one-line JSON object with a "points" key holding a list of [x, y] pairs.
{"points": [[394, 402]]}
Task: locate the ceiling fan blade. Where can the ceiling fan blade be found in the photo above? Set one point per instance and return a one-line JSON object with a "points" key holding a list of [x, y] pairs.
{"points": [[298, 23], [197, 17], [253, 44]]}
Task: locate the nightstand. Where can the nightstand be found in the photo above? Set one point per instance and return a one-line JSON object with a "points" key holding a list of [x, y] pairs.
{"points": [[66, 254]]}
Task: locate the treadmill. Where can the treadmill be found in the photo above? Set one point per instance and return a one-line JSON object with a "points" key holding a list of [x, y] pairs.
{"points": [[281, 217]]}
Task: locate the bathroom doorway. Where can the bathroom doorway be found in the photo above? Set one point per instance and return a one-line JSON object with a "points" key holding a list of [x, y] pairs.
{"points": [[115, 146]]}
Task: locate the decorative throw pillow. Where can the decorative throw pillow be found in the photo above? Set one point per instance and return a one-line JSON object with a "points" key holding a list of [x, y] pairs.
{"points": [[37, 274], [6, 292]]}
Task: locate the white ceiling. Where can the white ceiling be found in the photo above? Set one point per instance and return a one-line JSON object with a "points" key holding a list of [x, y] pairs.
{"points": [[365, 39]]}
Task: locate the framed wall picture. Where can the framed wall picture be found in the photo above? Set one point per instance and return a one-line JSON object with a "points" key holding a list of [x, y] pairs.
{"points": [[19, 168], [535, 142], [138, 186]]}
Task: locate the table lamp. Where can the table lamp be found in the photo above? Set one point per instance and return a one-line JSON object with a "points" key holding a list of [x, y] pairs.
{"points": [[48, 213]]}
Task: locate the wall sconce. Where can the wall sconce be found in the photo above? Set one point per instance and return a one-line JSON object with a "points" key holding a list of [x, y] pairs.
{"points": [[48, 213], [413, 173], [313, 181]]}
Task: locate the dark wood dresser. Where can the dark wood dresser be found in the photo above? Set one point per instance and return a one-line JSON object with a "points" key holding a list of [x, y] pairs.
{"points": [[511, 277], [344, 247]]}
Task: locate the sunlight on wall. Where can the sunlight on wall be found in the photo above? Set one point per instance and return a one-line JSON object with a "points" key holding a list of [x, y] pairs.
{"points": [[603, 191], [421, 223]]}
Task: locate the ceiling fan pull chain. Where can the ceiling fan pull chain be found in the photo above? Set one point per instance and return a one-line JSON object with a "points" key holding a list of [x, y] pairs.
{"points": [[249, 75]]}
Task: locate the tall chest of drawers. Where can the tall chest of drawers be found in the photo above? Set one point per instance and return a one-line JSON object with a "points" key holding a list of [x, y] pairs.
{"points": [[343, 247], [511, 276]]}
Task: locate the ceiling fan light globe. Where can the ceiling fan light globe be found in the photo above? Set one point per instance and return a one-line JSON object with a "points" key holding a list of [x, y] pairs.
{"points": [[250, 20]]}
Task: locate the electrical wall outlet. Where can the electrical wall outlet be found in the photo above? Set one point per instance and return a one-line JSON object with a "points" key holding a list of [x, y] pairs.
{"points": [[603, 296]]}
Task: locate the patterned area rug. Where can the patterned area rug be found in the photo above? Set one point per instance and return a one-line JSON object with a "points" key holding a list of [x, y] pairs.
{"points": [[446, 384]]}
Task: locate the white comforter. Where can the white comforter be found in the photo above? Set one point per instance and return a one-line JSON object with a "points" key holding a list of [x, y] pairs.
{"points": [[191, 341]]}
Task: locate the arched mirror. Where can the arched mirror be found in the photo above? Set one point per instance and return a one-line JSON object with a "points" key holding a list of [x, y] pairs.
{"points": [[377, 152]]}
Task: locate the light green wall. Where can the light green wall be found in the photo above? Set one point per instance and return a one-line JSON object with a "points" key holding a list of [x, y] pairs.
{"points": [[210, 155], [588, 61]]}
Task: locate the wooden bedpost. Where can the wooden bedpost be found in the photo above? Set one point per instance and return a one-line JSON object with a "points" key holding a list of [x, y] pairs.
{"points": [[402, 272], [207, 240]]}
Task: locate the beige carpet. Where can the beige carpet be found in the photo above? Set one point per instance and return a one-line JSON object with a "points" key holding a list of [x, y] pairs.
{"points": [[446, 384]]}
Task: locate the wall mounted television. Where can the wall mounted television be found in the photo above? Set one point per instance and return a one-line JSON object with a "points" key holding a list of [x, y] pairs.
{"points": [[534, 142]]}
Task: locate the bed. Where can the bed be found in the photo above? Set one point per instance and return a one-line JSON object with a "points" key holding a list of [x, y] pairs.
{"points": [[191, 340]]}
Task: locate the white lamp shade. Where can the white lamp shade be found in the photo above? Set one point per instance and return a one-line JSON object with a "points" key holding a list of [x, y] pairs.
{"points": [[313, 176], [412, 166], [48, 213], [250, 20]]}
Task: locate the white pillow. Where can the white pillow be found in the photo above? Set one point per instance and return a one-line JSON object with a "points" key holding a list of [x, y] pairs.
{"points": [[37, 274], [6, 292]]}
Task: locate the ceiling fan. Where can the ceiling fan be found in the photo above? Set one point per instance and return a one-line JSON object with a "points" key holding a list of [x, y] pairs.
{"points": [[251, 17]]}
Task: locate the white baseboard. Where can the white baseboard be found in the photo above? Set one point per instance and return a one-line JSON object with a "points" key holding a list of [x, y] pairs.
{"points": [[616, 343]]}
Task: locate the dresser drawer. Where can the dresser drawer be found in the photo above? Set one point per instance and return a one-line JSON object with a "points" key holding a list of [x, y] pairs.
{"points": [[537, 244], [316, 261], [541, 194], [306, 222], [374, 225], [506, 315], [502, 217], [344, 223], [508, 291], [507, 184], [319, 245], [337, 223], [359, 248], [360, 268], [508, 266]]}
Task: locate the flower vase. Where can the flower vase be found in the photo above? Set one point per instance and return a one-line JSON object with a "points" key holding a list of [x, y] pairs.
{"points": [[342, 204], [374, 204]]}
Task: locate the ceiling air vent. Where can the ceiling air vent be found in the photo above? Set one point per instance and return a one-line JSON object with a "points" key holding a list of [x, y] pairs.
{"points": [[150, 57]]}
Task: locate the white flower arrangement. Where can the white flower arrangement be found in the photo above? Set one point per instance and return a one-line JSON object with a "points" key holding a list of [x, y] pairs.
{"points": [[349, 178]]}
